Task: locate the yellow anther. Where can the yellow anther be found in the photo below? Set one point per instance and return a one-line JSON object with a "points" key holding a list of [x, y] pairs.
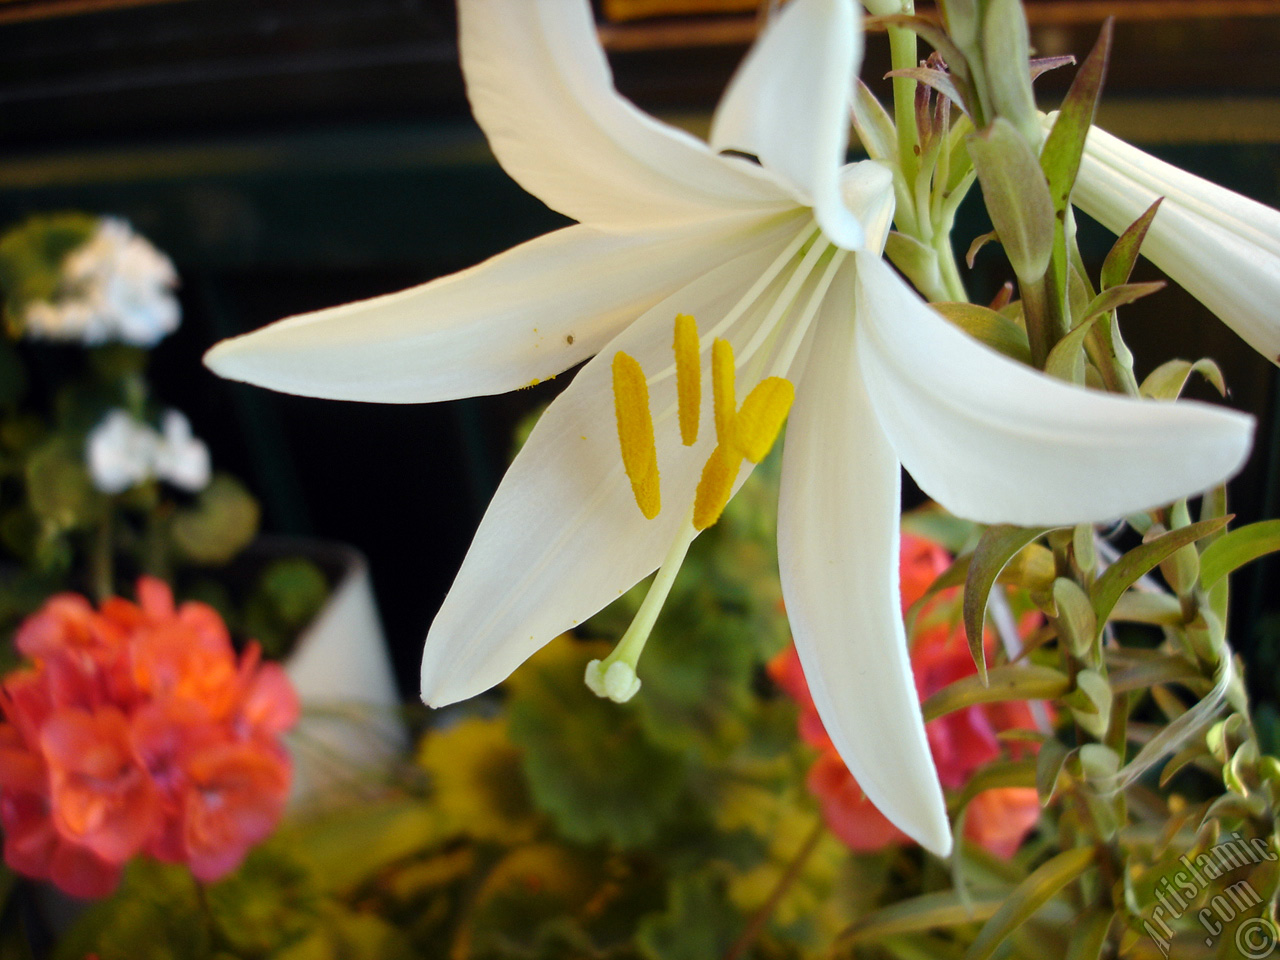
{"points": [[715, 485], [725, 400], [688, 377], [756, 426], [635, 432]]}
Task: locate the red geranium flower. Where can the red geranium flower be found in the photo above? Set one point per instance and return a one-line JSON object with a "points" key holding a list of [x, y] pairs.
{"points": [[137, 730]]}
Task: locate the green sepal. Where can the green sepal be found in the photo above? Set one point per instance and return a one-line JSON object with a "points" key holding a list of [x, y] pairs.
{"points": [[1167, 381], [1118, 266], [1028, 897], [1017, 197], [1236, 548], [1064, 146], [988, 327], [1021, 681], [1076, 622], [1142, 559], [997, 547]]}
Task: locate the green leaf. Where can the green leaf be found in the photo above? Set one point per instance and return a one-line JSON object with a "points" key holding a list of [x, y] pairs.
{"points": [[1089, 932], [995, 330], [1159, 609], [1064, 146], [59, 487], [1065, 360], [993, 776], [287, 597], [917, 261], [699, 921], [1017, 197], [1142, 559], [589, 763], [1118, 265], [220, 524], [873, 123], [1236, 548], [1167, 381], [997, 547], [978, 243], [1090, 702], [1014, 681], [1028, 897], [1052, 757], [929, 911], [1076, 622]]}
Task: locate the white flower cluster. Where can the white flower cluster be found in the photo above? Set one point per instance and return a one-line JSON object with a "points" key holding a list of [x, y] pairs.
{"points": [[124, 452], [117, 286]]}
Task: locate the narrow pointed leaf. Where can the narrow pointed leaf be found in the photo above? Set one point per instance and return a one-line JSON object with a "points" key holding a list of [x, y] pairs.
{"points": [[1142, 559], [1235, 549], [1188, 754], [924, 28], [1017, 197], [1140, 676], [978, 243], [1167, 381], [873, 124], [1119, 295], [1118, 265], [1060, 156], [1028, 897], [1042, 65], [1159, 609], [995, 330], [994, 551], [937, 80], [1066, 360], [996, 775], [928, 912], [1049, 763], [1021, 681], [1089, 934]]}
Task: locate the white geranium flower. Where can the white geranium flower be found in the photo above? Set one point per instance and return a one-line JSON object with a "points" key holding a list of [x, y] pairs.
{"points": [[124, 452], [1224, 249], [121, 452], [181, 458], [117, 286], [779, 263]]}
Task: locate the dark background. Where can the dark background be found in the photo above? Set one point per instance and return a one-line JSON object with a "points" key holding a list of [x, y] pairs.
{"points": [[294, 154]]}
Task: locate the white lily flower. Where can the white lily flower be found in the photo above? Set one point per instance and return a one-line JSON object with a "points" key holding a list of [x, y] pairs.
{"points": [[1222, 248], [761, 255]]}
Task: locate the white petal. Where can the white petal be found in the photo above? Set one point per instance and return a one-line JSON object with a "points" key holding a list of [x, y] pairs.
{"points": [[995, 441], [838, 554], [525, 315], [541, 89], [789, 105], [563, 536], [1224, 249]]}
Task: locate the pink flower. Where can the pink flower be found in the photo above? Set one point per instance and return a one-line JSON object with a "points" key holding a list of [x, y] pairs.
{"points": [[137, 730], [961, 742]]}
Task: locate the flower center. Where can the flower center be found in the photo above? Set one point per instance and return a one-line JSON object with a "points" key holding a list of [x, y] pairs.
{"points": [[802, 272]]}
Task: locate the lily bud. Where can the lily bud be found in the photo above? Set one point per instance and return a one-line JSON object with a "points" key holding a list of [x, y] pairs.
{"points": [[1224, 249]]}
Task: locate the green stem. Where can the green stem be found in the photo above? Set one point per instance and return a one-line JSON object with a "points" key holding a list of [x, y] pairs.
{"points": [[902, 53], [102, 558], [755, 926], [950, 269]]}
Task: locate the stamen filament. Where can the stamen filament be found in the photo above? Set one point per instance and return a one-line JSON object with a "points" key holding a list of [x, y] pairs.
{"points": [[614, 677], [688, 377], [785, 356], [635, 432], [785, 299]]}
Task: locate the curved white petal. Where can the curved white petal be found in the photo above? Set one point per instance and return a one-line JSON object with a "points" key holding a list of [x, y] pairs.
{"points": [[838, 553], [525, 315], [995, 441], [789, 105], [541, 90], [1224, 249], [563, 535]]}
